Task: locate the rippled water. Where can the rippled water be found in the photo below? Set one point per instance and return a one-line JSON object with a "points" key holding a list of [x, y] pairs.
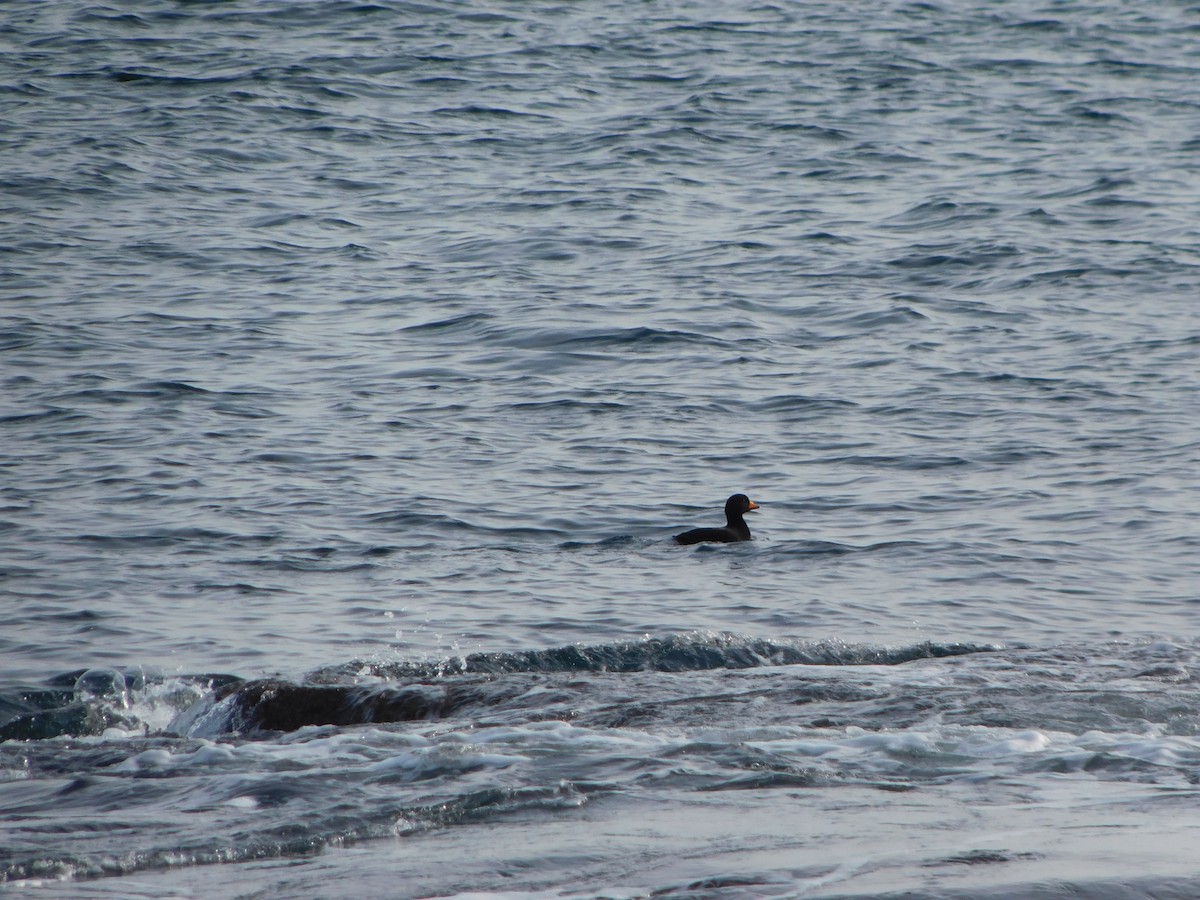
{"points": [[360, 360]]}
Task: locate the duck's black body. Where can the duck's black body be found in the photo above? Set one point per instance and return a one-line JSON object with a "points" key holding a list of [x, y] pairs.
{"points": [[735, 528]]}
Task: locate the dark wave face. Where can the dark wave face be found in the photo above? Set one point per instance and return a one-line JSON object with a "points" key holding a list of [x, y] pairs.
{"points": [[90, 702], [361, 359]]}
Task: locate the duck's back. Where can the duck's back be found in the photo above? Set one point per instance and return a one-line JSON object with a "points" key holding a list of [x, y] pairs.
{"points": [[703, 535]]}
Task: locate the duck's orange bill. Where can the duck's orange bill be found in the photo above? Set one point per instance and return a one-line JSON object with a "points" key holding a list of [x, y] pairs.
{"points": [[753, 505]]}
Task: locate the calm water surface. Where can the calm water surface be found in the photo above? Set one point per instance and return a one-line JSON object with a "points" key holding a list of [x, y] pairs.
{"points": [[360, 360]]}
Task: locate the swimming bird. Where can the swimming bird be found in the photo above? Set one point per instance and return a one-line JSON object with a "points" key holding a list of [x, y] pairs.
{"points": [[735, 526]]}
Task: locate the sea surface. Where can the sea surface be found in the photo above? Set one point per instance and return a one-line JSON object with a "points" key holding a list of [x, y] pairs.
{"points": [[359, 361]]}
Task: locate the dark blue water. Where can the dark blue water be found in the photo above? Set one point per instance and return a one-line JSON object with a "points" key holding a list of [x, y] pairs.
{"points": [[360, 360]]}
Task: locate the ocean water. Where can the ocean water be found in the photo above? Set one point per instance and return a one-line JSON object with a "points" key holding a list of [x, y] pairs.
{"points": [[359, 361]]}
